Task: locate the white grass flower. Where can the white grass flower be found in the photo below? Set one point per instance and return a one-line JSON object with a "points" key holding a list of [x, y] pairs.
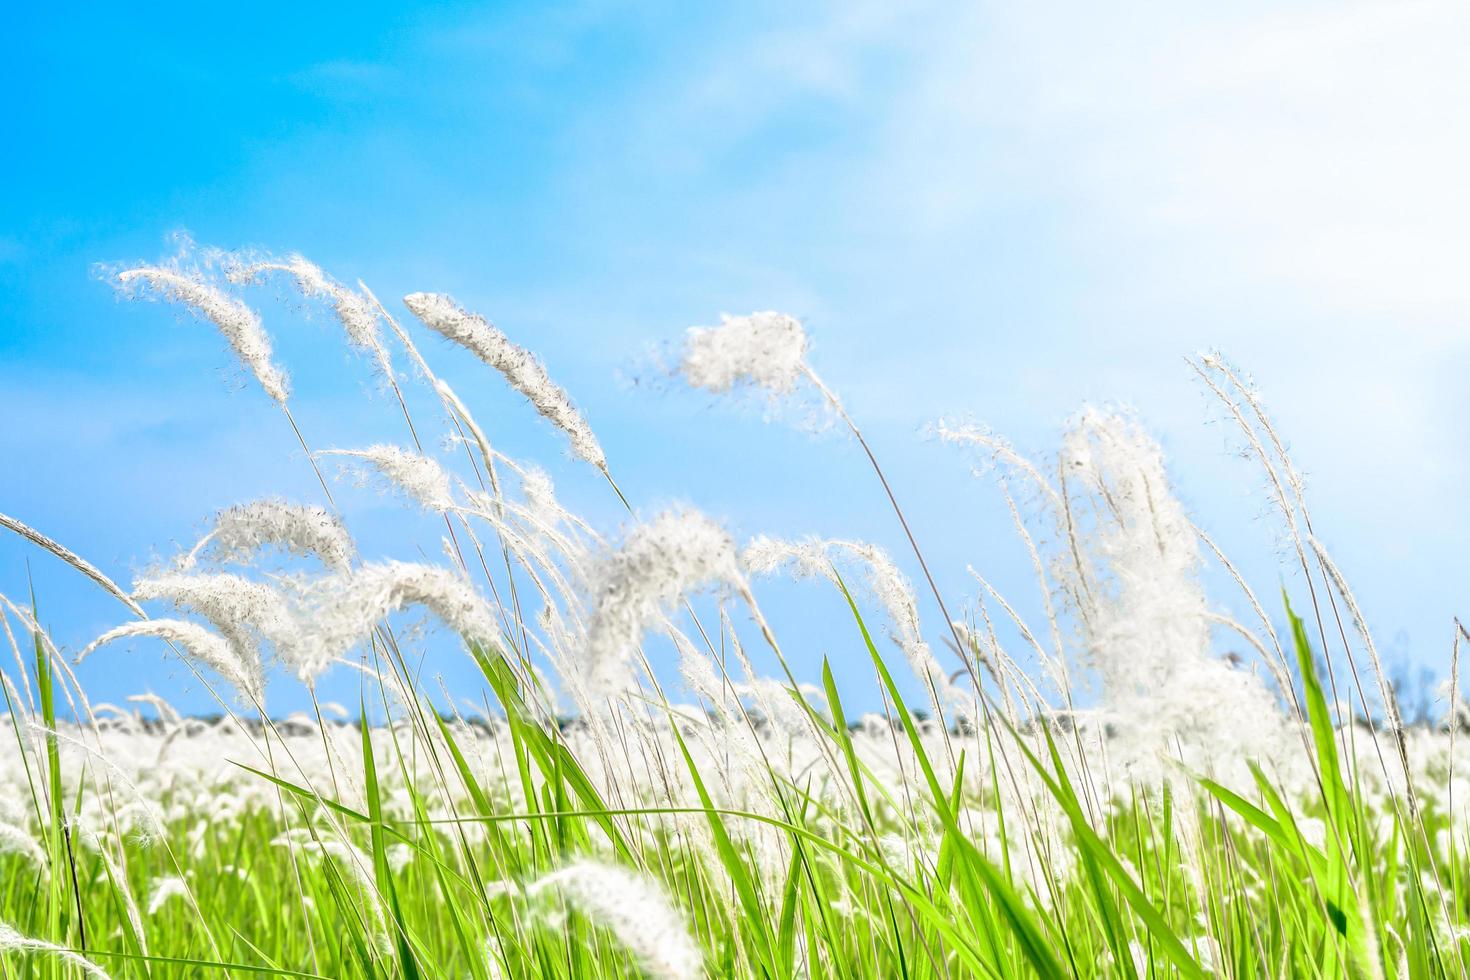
{"points": [[540, 496], [494, 958], [163, 890], [299, 529], [400, 856], [244, 612], [520, 367], [16, 840], [896, 595], [345, 609], [815, 558], [635, 910], [13, 941], [70, 557], [994, 451], [660, 560], [806, 558], [1142, 604], [765, 349], [196, 644], [1207, 953], [167, 713], [419, 477], [358, 316], [237, 323]]}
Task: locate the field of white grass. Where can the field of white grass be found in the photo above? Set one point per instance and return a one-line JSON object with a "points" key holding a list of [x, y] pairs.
{"points": [[1096, 793]]}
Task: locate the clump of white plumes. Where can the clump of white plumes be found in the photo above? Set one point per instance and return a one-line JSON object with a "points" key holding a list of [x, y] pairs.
{"points": [[635, 910], [344, 610], [422, 479], [237, 323], [765, 349], [1149, 607], [303, 530], [520, 367], [1145, 616], [244, 612], [197, 644], [660, 560], [815, 558], [355, 312], [13, 941]]}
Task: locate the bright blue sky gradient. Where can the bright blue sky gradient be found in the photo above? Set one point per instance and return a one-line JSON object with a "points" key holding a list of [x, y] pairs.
{"points": [[978, 211]]}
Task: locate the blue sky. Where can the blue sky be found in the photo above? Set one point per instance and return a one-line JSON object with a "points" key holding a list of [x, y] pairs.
{"points": [[999, 211]]}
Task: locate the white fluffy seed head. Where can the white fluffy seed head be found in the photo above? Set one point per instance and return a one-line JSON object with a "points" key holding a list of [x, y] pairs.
{"points": [[13, 941], [765, 349], [418, 477], [1143, 554], [1145, 615], [358, 316], [635, 910], [17, 840], [540, 496], [518, 366], [245, 613], [198, 645], [660, 560], [343, 610], [237, 323], [302, 530], [806, 558], [163, 890]]}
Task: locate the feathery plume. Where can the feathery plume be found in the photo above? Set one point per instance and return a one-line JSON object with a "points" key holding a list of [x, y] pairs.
{"points": [[765, 349], [660, 560], [1000, 451], [540, 496], [519, 366], [807, 558], [167, 713], [197, 644], [815, 558], [71, 558], [357, 315], [163, 890], [346, 608], [896, 596], [420, 478], [1145, 616], [238, 323], [244, 612], [16, 840], [635, 910], [14, 941], [299, 529]]}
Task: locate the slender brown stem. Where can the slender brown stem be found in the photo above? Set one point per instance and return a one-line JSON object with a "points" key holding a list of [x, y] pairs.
{"points": [[309, 457], [949, 621]]}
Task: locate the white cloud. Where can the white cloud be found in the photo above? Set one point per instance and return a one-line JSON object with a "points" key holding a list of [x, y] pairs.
{"points": [[1324, 148]]}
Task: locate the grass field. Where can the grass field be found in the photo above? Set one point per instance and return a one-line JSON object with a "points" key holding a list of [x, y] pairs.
{"points": [[1098, 793]]}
